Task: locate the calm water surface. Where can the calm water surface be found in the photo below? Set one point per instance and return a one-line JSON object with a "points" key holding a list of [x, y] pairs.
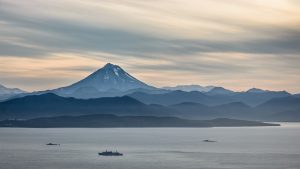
{"points": [[152, 148]]}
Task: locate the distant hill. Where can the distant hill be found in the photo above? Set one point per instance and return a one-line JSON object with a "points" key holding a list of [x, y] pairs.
{"points": [[256, 98], [6, 92], [210, 99], [97, 121], [288, 116], [174, 97], [192, 110], [280, 104], [50, 104], [236, 110], [256, 90], [189, 88], [220, 91], [280, 109]]}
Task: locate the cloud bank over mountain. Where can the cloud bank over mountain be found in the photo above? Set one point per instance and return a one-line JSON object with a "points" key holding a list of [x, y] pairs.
{"points": [[174, 42]]}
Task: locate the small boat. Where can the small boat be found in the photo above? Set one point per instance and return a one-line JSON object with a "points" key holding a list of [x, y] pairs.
{"points": [[52, 144], [110, 153], [209, 141]]}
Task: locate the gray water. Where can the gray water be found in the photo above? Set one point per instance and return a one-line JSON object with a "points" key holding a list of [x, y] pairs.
{"points": [[152, 148]]}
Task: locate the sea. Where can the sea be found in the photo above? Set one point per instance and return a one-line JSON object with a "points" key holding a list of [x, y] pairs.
{"points": [[152, 148]]}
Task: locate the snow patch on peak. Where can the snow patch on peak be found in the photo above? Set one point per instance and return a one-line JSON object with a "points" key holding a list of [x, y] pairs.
{"points": [[116, 71]]}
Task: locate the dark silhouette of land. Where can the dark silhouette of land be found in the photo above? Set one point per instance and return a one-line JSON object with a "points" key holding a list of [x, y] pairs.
{"points": [[50, 105], [105, 120]]}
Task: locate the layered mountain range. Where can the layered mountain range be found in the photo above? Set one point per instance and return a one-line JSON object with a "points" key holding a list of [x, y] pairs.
{"points": [[111, 90]]}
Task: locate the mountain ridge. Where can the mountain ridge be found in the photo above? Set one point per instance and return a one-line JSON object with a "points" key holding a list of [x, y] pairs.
{"points": [[50, 104], [189, 88], [6, 92], [178, 96]]}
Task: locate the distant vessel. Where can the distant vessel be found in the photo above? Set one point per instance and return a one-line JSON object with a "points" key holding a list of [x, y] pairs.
{"points": [[52, 144], [211, 141], [110, 153]]}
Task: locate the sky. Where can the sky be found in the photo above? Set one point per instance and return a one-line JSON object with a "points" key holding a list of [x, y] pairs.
{"points": [[237, 44]]}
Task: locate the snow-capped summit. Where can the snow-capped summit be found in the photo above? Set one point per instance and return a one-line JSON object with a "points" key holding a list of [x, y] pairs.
{"points": [[110, 78]]}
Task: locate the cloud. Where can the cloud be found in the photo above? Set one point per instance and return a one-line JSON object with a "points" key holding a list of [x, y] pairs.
{"points": [[223, 41]]}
